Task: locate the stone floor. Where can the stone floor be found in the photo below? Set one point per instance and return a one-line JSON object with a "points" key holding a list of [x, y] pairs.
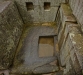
{"points": [[27, 58]]}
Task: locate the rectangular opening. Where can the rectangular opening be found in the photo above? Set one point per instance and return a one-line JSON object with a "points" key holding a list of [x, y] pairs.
{"points": [[46, 46], [29, 6], [46, 5]]}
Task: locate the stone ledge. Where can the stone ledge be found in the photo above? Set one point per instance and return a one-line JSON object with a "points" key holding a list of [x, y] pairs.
{"points": [[66, 16], [72, 47]]}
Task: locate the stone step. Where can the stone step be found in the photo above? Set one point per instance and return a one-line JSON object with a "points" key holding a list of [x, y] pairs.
{"points": [[46, 69]]}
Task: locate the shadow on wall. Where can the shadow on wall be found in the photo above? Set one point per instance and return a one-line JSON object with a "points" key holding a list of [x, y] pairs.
{"points": [[25, 16], [28, 15]]}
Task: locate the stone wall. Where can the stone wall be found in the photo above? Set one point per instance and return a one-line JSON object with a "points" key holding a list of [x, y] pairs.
{"points": [[69, 20], [77, 8], [38, 14], [10, 32], [70, 41]]}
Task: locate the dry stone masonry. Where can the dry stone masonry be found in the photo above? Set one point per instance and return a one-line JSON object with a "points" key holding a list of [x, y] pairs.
{"points": [[70, 41], [10, 32], [77, 9], [23, 22]]}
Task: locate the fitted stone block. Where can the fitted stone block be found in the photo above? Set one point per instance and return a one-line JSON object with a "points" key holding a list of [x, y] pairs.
{"points": [[66, 16], [77, 7], [38, 14], [75, 61], [10, 32], [47, 16], [68, 28], [68, 49], [64, 54], [69, 70], [77, 42], [65, 50]]}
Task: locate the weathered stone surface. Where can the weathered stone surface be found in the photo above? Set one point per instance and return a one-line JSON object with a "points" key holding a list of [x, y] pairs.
{"points": [[66, 44], [46, 69], [70, 47], [77, 41], [76, 64], [70, 38], [66, 16], [27, 59], [77, 8], [10, 31], [69, 70], [39, 14]]}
